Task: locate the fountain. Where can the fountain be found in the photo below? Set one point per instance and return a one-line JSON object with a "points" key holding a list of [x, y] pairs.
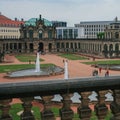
{"points": [[65, 69], [37, 71]]}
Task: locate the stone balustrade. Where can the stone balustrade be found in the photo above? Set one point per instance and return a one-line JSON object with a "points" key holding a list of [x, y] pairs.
{"points": [[26, 92]]}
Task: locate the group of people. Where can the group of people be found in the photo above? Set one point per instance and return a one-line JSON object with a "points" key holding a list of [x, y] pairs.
{"points": [[96, 72]]}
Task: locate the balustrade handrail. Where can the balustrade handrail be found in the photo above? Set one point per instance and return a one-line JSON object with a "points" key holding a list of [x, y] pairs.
{"points": [[58, 86]]}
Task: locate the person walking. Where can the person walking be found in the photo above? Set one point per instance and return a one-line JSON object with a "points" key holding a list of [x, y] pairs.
{"points": [[107, 73], [100, 69]]}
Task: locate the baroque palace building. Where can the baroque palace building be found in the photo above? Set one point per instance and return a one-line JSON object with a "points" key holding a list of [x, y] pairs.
{"points": [[39, 34]]}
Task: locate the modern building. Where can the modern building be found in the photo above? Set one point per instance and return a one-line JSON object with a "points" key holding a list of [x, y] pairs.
{"points": [[59, 23], [69, 33], [92, 28], [9, 29]]}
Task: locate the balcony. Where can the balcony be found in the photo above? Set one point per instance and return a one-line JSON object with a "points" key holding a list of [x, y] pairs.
{"points": [[26, 91]]}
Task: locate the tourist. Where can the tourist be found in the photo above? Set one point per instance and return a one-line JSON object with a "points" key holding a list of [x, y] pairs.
{"points": [[107, 73], [100, 69]]}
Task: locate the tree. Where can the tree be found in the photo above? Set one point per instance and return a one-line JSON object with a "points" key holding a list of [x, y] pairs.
{"points": [[101, 35]]}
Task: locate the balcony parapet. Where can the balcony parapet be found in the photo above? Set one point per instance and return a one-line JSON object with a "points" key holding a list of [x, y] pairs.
{"points": [[59, 86], [48, 88]]}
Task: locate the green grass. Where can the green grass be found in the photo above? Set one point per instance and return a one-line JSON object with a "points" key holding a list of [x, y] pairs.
{"points": [[26, 58], [15, 108], [72, 56], [55, 111], [10, 68], [94, 117], [108, 62]]}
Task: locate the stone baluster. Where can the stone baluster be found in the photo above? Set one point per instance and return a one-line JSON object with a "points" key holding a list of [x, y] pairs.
{"points": [[66, 112], [5, 107], [27, 105], [47, 114], [101, 108], [84, 110], [115, 105]]}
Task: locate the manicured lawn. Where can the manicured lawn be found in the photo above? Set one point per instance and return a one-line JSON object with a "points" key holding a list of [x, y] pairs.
{"points": [[9, 68], [72, 56], [26, 58], [108, 62]]}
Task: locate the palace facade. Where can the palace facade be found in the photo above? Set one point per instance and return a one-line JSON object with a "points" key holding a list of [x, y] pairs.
{"points": [[39, 34]]}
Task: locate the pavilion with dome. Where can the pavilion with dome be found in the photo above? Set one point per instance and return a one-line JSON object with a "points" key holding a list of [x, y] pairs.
{"points": [[39, 35]]}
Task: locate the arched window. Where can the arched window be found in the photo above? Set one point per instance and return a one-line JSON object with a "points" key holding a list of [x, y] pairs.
{"points": [[116, 35]]}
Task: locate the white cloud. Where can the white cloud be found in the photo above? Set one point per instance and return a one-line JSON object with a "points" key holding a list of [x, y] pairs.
{"points": [[72, 11]]}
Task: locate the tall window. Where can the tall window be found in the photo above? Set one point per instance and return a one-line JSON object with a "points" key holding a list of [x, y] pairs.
{"points": [[65, 33], [40, 34], [59, 33], [50, 34], [30, 33], [70, 34], [75, 33]]}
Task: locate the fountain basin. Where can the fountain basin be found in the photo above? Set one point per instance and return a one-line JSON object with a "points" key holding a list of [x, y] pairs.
{"points": [[53, 70], [111, 67]]}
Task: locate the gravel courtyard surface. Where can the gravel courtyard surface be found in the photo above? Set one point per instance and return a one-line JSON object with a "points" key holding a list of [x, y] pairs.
{"points": [[75, 67]]}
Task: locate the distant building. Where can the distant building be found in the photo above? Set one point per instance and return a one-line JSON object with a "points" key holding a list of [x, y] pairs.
{"points": [[9, 29], [112, 32], [69, 32], [38, 34], [92, 28], [59, 24]]}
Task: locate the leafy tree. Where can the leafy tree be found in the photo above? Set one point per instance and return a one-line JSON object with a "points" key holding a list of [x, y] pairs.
{"points": [[101, 35]]}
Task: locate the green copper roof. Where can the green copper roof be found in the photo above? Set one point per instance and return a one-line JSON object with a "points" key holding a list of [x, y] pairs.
{"points": [[32, 22]]}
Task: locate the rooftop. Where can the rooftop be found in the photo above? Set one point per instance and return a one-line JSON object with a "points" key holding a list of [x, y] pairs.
{"points": [[32, 22], [5, 21]]}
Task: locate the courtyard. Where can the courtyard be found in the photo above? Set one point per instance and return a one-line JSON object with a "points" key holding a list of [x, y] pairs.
{"points": [[76, 68]]}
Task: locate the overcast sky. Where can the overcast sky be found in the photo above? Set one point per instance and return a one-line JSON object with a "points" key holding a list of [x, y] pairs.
{"points": [[71, 11]]}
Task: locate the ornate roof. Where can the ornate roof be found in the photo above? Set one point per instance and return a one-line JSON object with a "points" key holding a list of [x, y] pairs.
{"points": [[32, 22]]}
